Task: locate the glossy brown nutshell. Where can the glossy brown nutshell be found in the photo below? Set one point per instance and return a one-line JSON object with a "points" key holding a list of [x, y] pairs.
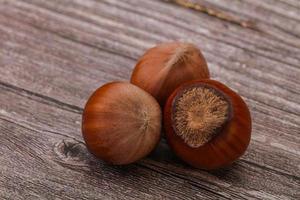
{"points": [[166, 66], [207, 124], [121, 123]]}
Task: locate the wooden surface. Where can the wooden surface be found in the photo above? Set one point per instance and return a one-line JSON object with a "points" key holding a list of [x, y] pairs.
{"points": [[54, 54]]}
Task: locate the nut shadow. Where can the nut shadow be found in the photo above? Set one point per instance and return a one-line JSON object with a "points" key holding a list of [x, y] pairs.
{"points": [[163, 156]]}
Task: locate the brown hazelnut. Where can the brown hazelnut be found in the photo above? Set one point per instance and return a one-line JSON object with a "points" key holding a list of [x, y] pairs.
{"points": [[207, 124], [121, 123], [166, 66]]}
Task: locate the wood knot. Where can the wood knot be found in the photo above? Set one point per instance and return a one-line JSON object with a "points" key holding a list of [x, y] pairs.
{"points": [[71, 150]]}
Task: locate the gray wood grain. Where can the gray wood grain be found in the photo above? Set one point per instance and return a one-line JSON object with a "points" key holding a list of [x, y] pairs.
{"points": [[269, 16], [53, 54], [59, 123]]}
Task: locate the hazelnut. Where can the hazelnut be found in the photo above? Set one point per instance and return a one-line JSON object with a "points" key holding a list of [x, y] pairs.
{"points": [[207, 124], [166, 66], [121, 123]]}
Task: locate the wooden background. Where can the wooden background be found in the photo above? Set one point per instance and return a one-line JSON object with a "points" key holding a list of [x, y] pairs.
{"points": [[54, 54]]}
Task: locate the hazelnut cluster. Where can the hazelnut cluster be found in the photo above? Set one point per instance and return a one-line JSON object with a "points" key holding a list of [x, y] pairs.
{"points": [[206, 124]]}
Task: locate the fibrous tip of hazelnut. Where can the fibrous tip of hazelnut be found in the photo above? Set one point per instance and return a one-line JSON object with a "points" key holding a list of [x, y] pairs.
{"points": [[199, 112], [181, 54]]}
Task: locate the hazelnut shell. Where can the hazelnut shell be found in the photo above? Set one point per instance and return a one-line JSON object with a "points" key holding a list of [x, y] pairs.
{"points": [[166, 66], [226, 146], [121, 123]]}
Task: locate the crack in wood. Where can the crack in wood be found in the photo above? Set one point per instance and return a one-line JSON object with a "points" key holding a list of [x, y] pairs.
{"points": [[43, 99], [197, 185]]}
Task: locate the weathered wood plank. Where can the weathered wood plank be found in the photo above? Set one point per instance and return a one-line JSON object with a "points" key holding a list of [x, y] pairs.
{"points": [[49, 166], [244, 68], [293, 3], [53, 54], [71, 95], [194, 21], [51, 134], [57, 65], [278, 19], [72, 9]]}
